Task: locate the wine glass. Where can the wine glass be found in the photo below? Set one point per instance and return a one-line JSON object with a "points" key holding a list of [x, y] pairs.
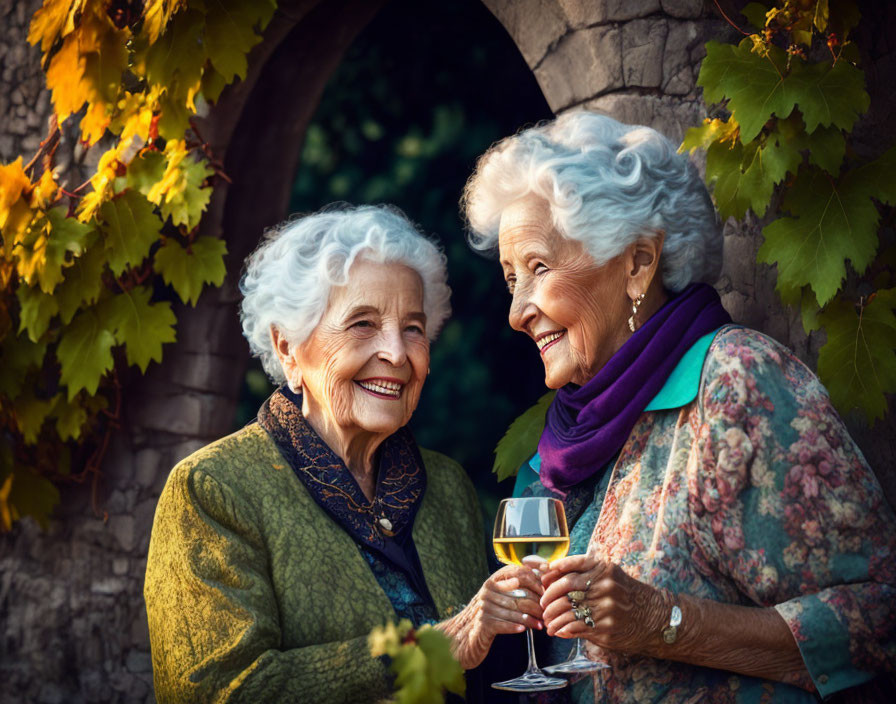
{"points": [[531, 530]]}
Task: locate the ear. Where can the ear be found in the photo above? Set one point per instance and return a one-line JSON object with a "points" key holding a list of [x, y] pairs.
{"points": [[288, 362], [642, 263]]}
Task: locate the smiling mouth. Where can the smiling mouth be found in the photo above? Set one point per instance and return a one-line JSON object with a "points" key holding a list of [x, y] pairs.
{"points": [[382, 388], [548, 340]]}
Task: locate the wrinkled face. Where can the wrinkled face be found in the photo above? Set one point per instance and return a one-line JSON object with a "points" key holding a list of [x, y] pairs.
{"points": [[364, 365], [574, 310]]}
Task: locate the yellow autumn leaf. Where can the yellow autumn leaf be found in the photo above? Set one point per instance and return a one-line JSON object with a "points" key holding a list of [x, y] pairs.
{"points": [[102, 183], [65, 79], [15, 212], [94, 123], [13, 181], [55, 18], [45, 191], [174, 180], [156, 14]]}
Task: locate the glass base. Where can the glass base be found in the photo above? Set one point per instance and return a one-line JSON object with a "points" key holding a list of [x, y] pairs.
{"points": [[532, 681], [571, 667]]}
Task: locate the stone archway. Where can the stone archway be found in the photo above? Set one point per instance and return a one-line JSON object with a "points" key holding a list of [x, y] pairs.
{"points": [[72, 623]]}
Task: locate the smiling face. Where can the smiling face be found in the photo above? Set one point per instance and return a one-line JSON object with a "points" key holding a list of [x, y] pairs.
{"points": [[574, 310], [363, 366]]}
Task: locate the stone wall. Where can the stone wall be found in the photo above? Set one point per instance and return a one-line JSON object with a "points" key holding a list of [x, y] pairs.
{"points": [[72, 620]]}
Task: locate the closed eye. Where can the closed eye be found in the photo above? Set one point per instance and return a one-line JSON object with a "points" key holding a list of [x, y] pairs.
{"points": [[415, 328], [540, 268]]}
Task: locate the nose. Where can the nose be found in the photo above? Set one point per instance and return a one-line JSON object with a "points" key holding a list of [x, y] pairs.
{"points": [[522, 310], [392, 348]]}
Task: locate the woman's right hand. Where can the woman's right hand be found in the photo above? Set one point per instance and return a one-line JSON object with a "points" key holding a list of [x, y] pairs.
{"points": [[493, 611]]}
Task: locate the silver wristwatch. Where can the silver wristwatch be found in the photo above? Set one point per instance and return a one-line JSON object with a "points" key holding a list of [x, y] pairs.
{"points": [[670, 632]]}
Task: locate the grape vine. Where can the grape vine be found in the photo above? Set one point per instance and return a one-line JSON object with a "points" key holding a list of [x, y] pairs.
{"points": [[88, 273], [790, 94]]}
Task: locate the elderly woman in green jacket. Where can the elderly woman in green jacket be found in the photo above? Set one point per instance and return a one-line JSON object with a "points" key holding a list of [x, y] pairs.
{"points": [[277, 549]]}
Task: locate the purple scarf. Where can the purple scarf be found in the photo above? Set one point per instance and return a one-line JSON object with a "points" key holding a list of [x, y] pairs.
{"points": [[587, 425]]}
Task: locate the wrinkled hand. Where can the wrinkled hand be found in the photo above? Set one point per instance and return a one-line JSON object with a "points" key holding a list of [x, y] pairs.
{"points": [[493, 611], [628, 615]]}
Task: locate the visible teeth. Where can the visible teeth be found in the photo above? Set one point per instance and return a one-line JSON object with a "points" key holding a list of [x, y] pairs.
{"points": [[548, 339], [387, 388]]}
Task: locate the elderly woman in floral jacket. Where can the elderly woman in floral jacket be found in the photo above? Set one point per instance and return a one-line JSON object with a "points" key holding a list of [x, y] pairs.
{"points": [[734, 545]]}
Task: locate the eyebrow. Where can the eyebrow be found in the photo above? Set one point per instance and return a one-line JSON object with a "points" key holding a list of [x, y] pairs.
{"points": [[417, 315], [360, 310]]}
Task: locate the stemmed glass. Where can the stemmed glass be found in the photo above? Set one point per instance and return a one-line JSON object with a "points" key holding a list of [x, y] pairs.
{"points": [[530, 530]]}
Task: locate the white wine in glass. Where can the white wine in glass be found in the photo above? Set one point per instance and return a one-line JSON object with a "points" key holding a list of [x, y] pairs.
{"points": [[526, 531]]}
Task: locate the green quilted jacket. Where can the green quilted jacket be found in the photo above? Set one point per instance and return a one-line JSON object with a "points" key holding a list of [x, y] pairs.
{"points": [[255, 595]]}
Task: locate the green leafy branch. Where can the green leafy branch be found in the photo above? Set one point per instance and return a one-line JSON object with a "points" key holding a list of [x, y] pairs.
{"points": [[421, 662], [88, 273], [785, 138]]}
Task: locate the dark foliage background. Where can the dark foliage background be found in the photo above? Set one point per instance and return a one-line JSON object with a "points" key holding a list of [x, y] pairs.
{"points": [[424, 90]]}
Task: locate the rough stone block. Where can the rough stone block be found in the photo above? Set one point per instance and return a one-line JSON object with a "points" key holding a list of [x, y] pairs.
{"points": [[679, 77], [138, 661], [122, 527], [670, 116], [584, 13], [204, 372], [109, 586], [642, 52], [584, 64], [148, 464], [534, 25], [683, 9]]}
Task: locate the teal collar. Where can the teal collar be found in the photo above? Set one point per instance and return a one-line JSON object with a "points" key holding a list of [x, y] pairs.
{"points": [[684, 382]]}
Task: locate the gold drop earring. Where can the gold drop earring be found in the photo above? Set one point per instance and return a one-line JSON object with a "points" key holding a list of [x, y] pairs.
{"points": [[635, 304]]}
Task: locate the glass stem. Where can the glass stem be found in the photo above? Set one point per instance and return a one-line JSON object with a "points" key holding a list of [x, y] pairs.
{"points": [[530, 641], [580, 650]]}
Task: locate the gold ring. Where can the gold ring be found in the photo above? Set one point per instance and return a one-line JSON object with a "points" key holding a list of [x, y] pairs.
{"points": [[576, 596]]}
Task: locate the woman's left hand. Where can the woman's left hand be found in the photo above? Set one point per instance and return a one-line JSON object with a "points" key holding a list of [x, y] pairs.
{"points": [[628, 615]]}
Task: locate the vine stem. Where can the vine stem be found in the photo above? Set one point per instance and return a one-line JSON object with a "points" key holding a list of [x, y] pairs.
{"points": [[728, 19]]}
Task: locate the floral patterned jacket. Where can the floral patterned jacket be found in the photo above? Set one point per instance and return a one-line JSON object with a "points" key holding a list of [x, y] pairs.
{"points": [[752, 494]]}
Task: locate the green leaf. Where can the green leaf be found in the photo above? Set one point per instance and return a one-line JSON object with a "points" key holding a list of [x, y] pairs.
{"points": [[51, 242], [187, 271], [186, 207], [443, 670], [130, 227], [820, 20], [876, 179], [755, 14], [70, 417], [827, 95], [745, 177], [139, 325], [858, 362], [20, 355], [145, 171], [84, 353], [832, 223], [521, 439], [83, 283], [826, 146], [36, 310], [25, 493], [175, 60], [757, 88], [30, 413], [229, 35]]}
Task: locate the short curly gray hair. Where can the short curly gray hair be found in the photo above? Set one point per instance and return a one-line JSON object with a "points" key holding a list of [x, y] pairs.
{"points": [[607, 185], [287, 279]]}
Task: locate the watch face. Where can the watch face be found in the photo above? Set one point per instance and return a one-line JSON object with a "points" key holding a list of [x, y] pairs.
{"points": [[675, 619]]}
